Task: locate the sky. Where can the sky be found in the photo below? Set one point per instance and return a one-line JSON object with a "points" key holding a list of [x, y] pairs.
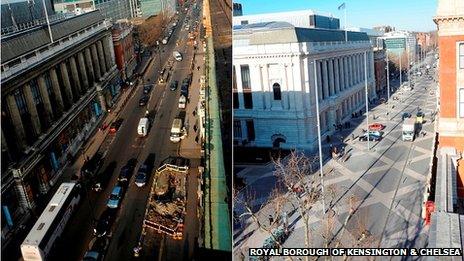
{"points": [[411, 15]]}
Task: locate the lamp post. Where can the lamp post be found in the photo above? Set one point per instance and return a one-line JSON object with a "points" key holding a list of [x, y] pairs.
{"points": [[319, 134], [367, 103]]}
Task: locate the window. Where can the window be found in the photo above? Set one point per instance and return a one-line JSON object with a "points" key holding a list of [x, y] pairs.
{"points": [[235, 100], [461, 55], [48, 83], [461, 103], [277, 93], [20, 101], [234, 79], [248, 99], [244, 22], [237, 130], [245, 72], [250, 130], [35, 91]]}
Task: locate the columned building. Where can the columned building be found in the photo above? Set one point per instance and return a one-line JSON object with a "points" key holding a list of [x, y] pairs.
{"points": [[54, 93], [276, 70]]}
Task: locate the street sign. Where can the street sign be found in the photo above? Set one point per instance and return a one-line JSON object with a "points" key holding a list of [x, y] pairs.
{"points": [[395, 43]]}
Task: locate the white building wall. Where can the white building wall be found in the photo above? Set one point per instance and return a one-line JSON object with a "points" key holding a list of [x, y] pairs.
{"points": [[291, 66]]}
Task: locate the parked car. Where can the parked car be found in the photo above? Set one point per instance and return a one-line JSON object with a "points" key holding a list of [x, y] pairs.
{"points": [[97, 249], [372, 137], [105, 222], [143, 100], [147, 88], [173, 85], [102, 178], [141, 178], [376, 126], [115, 125], [406, 115], [125, 173], [115, 197]]}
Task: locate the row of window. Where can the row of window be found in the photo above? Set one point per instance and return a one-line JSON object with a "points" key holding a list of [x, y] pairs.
{"points": [[250, 130]]}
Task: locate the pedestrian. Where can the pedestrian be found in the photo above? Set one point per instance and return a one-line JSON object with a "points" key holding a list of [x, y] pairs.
{"points": [[271, 219], [195, 127], [352, 136]]}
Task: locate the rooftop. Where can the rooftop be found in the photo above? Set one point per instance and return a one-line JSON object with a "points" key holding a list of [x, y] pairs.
{"points": [[283, 32], [26, 41]]}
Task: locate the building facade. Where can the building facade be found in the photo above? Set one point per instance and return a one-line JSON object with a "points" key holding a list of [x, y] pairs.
{"points": [[154, 7], [450, 21], [124, 49], [112, 10], [303, 19], [54, 94], [276, 69], [380, 70]]}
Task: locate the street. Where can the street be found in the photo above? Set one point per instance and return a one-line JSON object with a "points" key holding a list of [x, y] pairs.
{"points": [[127, 145], [386, 183]]}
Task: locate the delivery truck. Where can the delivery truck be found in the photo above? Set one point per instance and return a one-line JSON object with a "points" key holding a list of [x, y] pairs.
{"points": [[409, 129], [143, 127]]}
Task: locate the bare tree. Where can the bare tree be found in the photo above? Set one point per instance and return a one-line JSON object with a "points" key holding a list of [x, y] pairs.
{"points": [[151, 29]]}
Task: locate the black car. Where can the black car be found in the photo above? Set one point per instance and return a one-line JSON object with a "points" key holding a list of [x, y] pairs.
{"points": [[147, 88], [143, 100], [372, 137], [173, 85], [127, 170], [102, 179], [115, 125], [105, 222], [92, 165]]}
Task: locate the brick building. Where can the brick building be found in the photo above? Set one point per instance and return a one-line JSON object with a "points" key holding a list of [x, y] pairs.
{"points": [[450, 21], [124, 49]]}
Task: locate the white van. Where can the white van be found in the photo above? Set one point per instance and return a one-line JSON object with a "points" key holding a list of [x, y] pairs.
{"points": [[165, 40], [177, 56], [178, 132], [182, 102], [142, 129]]}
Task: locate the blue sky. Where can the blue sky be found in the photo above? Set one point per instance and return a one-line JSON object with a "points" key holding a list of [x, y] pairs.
{"points": [[414, 15]]}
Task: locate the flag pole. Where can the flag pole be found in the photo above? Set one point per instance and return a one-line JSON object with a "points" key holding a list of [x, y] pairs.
{"points": [[346, 32], [48, 21]]}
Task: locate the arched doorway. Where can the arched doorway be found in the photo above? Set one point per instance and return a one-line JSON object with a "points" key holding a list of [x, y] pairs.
{"points": [[277, 139]]}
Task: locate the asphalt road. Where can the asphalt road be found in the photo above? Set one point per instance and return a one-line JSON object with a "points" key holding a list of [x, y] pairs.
{"points": [[127, 145]]}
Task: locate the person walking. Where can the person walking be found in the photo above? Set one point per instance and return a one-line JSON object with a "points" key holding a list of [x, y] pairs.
{"points": [[271, 219]]}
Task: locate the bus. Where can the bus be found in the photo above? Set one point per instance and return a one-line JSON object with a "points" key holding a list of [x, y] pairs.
{"points": [[51, 223]]}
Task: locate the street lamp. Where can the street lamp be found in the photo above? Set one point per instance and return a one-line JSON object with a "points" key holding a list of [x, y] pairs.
{"points": [[319, 135], [367, 104]]}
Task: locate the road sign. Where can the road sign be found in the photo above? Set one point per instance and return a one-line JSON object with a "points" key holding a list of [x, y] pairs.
{"points": [[395, 43]]}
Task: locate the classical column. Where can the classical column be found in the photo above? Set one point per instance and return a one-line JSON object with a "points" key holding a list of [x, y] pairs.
{"points": [[96, 64], [57, 90], [346, 72], [350, 70], [325, 78], [67, 83], [75, 75], [331, 119], [32, 109], [337, 75], [16, 120], [81, 62], [45, 99], [331, 78], [109, 51], [342, 73], [92, 73], [267, 88], [319, 80], [101, 57]]}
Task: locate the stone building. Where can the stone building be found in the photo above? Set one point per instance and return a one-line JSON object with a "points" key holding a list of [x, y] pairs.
{"points": [[55, 90], [274, 82], [124, 49]]}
